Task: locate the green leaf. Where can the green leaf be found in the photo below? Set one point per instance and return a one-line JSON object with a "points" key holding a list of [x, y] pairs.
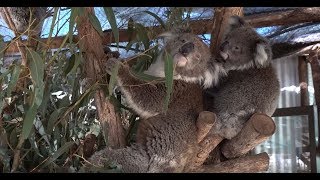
{"points": [[113, 77], [74, 13], [157, 18], [142, 35], [34, 145], [53, 119], [168, 70], [96, 23], [144, 77], [69, 64], [130, 29], [28, 121], [113, 23], [14, 79], [3, 46], [37, 73], [57, 154]]}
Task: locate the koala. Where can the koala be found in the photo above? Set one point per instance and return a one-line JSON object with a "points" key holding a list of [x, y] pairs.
{"points": [[251, 86], [166, 141], [21, 18]]}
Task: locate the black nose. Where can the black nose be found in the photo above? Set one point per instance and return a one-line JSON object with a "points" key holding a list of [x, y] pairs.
{"points": [[186, 48], [222, 46]]}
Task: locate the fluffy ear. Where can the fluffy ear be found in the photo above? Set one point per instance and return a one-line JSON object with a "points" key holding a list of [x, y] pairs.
{"points": [[236, 21], [262, 53]]}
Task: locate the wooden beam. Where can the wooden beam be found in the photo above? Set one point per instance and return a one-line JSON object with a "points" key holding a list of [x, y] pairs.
{"points": [[314, 60], [288, 17]]}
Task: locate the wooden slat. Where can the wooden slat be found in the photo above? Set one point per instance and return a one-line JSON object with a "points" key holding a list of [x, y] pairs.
{"points": [[287, 17]]}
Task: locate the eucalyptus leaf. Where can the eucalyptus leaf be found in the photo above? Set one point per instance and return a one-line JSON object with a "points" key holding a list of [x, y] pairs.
{"points": [[113, 23], [96, 23], [142, 35], [157, 18], [58, 153], [74, 13], [14, 78], [168, 69]]}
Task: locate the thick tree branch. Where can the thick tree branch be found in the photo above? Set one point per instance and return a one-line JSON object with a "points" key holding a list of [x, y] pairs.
{"points": [[256, 130], [247, 164]]}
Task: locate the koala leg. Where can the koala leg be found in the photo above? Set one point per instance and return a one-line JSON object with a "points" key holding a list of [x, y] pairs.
{"points": [[133, 159]]}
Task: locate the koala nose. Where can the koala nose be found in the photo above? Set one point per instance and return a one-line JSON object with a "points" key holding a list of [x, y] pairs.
{"points": [[222, 46], [186, 48]]}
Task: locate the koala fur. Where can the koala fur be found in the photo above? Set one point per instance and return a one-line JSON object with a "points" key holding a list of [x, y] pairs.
{"points": [[166, 142], [21, 18], [251, 85]]}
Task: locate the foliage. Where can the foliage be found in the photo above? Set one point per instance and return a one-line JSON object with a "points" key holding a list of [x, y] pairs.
{"points": [[49, 107]]}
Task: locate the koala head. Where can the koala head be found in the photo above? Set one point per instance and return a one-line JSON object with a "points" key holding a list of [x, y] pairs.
{"points": [[191, 57], [243, 48]]}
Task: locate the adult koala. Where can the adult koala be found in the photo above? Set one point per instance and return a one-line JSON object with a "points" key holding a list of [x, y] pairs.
{"points": [[166, 142]]}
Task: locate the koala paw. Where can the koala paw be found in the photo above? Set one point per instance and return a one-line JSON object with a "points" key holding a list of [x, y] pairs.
{"points": [[110, 64]]}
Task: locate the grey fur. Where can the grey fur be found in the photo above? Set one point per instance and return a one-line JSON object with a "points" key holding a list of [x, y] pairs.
{"points": [[166, 141], [21, 18], [251, 85]]}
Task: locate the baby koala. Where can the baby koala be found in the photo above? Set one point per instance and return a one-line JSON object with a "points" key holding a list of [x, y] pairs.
{"points": [[251, 86], [166, 142]]}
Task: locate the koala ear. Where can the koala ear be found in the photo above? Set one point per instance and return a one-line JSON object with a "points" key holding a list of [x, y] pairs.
{"points": [[262, 53], [236, 21], [233, 23]]}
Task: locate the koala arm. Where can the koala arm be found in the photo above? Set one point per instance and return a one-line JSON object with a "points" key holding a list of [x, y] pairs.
{"points": [[146, 99]]}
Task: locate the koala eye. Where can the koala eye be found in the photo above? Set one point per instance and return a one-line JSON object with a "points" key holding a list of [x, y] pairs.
{"points": [[237, 48], [183, 41]]}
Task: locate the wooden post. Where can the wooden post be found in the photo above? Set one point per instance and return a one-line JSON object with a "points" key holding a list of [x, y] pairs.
{"points": [[303, 80], [91, 44], [256, 130], [314, 60]]}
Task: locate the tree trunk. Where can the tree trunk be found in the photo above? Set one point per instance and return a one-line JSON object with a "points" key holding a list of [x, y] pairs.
{"points": [[314, 60], [91, 44], [220, 22]]}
